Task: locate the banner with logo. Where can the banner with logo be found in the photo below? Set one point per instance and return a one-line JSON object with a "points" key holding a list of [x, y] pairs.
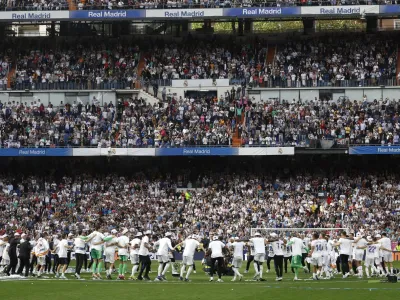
{"points": [[197, 151], [114, 152], [108, 14], [340, 10], [261, 12], [199, 83], [184, 13], [375, 150], [31, 16], [36, 152]]}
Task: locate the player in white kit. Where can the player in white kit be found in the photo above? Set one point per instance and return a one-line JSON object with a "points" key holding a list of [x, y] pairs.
{"points": [[190, 245], [134, 254], [238, 247], [164, 247], [372, 255], [387, 256], [259, 257], [360, 242], [109, 252], [315, 253]]}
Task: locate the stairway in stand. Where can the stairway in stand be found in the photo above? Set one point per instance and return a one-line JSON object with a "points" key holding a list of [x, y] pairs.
{"points": [[398, 65], [72, 5], [236, 140], [141, 66], [271, 54], [10, 76]]}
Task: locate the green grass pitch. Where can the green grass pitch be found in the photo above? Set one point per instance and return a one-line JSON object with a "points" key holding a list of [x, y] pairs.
{"points": [[87, 289]]}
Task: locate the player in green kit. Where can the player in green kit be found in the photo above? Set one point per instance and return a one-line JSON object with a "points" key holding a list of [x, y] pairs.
{"points": [[297, 246]]}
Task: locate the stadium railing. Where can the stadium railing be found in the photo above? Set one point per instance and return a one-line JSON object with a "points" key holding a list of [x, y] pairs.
{"points": [[309, 144], [122, 84]]}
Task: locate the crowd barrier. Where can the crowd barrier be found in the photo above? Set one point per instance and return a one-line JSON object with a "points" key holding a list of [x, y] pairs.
{"points": [[199, 13], [184, 151]]}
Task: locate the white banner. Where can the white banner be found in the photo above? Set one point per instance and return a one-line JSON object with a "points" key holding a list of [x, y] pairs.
{"points": [[280, 150], [252, 151], [199, 83], [259, 151], [114, 152], [22, 16], [340, 10], [184, 13]]}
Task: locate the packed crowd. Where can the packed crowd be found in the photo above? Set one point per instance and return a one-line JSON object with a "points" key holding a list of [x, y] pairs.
{"points": [[35, 5], [199, 122], [355, 61], [131, 123], [197, 59], [208, 200], [365, 121], [88, 65]]}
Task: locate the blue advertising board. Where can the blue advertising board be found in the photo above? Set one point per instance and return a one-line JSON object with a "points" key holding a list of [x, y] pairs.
{"points": [[196, 151], [374, 150], [259, 12], [36, 152], [389, 9], [108, 14]]}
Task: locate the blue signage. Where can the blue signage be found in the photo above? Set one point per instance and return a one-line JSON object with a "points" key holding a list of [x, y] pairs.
{"points": [[36, 152], [389, 9], [108, 14], [257, 12], [376, 150], [197, 151]]}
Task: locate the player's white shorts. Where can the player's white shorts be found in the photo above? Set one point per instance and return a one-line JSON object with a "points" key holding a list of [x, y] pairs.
{"points": [[134, 259], [317, 260], [359, 255], [260, 257], [110, 256], [387, 257], [187, 260], [41, 260], [237, 262], [163, 258], [369, 262]]}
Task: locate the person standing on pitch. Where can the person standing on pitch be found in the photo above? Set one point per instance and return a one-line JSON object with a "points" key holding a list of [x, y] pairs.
{"points": [[144, 256], [215, 249], [278, 246]]}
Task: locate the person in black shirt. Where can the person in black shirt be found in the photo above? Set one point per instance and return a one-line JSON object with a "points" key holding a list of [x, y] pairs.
{"points": [[12, 252], [25, 249]]}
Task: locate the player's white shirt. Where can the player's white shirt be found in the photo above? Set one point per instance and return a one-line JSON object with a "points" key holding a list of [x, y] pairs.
{"points": [[360, 243], [2, 246], [297, 246], [288, 251], [238, 249], [318, 248], [97, 238], [259, 245], [278, 247], [216, 249], [345, 246], [386, 243], [134, 242], [164, 245], [190, 246], [6, 257], [324, 244], [306, 244], [109, 247], [373, 250], [79, 246], [143, 250], [41, 248], [252, 251], [62, 248], [330, 247], [123, 242]]}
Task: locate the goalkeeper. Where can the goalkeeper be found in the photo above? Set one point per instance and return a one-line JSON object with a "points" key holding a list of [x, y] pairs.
{"points": [[297, 245]]}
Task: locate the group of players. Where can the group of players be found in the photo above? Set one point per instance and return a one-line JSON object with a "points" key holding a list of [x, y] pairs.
{"points": [[327, 255]]}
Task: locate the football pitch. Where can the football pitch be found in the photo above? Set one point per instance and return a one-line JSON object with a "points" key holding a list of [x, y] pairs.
{"points": [[199, 288]]}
